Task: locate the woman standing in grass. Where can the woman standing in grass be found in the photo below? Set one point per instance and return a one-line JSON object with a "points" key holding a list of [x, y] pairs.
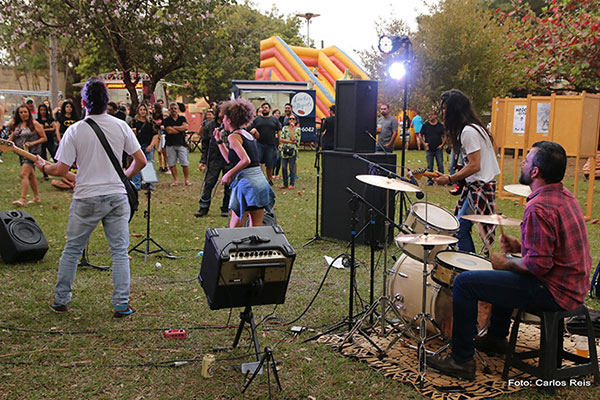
{"points": [[67, 117], [250, 191], [147, 135], [28, 135], [48, 124], [289, 151]]}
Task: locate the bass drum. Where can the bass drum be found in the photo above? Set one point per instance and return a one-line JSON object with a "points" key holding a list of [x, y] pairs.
{"points": [[405, 290], [439, 220]]}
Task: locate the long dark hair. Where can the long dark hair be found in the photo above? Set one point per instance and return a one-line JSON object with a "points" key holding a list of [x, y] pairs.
{"points": [[48, 114], [74, 114], [458, 113], [19, 121]]}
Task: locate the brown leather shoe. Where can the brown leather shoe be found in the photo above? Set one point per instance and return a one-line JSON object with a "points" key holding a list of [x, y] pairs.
{"points": [[448, 366], [491, 345]]}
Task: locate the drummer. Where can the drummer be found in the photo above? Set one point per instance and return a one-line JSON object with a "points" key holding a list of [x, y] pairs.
{"points": [[469, 135], [552, 275]]}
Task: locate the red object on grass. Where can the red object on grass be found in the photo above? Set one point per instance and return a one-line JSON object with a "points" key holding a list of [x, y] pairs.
{"points": [[175, 334]]}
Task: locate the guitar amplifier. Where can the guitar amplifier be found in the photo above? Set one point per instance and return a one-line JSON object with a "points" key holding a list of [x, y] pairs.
{"points": [[246, 266]]}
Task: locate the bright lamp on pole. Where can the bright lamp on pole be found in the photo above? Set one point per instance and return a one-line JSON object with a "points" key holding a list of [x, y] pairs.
{"points": [[391, 43], [397, 70]]}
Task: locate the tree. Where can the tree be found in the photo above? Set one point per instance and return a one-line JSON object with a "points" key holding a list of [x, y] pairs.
{"points": [[559, 49], [232, 50], [462, 44], [151, 36]]}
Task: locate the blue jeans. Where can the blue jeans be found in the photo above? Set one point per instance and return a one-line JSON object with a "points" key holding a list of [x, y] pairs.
{"points": [[84, 216], [289, 163], [454, 160], [137, 180], [505, 290], [465, 241], [438, 155]]}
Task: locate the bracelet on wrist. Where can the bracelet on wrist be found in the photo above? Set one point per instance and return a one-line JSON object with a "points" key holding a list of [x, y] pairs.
{"points": [[219, 141], [44, 169], [450, 179]]}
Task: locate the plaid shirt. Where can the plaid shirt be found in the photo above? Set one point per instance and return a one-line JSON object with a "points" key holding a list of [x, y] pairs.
{"points": [[482, 200], [554, 244]]}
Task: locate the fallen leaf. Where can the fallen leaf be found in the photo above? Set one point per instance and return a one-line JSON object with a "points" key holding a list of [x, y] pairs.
{"points": [[55, 207]]}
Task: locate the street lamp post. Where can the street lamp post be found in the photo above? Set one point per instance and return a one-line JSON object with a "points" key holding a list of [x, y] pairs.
{"points": [[308, 16]]}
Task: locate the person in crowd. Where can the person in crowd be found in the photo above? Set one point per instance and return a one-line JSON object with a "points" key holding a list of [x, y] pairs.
{"points": [[99, 195], [44, 117], [157, 119], [147, 135], [287, 113], [67, 117], [175, 127], [434, 140], [552, 275], [266, 129], [289, 151], [250, 191], [387, 129], [56, 111], [328, 130], [27, 134], [417, 125], [213, 164], [114, 110], [31, 105], [468, 134], [277, 168]]}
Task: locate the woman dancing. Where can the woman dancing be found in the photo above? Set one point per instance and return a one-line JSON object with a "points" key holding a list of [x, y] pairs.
{"points": [[470, 137], [28, 135], [250, 191]]}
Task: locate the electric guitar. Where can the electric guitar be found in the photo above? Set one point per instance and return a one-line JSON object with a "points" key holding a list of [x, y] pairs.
{"points": [[421, 172], [7, 145]]}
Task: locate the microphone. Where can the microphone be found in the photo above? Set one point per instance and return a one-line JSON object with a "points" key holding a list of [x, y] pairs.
{"points": [[371, 135]]}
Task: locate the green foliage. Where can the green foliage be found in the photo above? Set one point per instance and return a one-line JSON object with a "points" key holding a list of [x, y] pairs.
{"points": [[462, 45], [95, 58], [559, 49], [232, 50]]}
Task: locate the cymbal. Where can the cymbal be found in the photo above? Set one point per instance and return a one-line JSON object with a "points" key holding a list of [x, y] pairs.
{"points": [[518, 189], [388, 183], [425, 239], [493, 219]]}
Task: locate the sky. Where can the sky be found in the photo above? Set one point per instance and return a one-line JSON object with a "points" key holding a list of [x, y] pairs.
{"points": [[349, 25]]}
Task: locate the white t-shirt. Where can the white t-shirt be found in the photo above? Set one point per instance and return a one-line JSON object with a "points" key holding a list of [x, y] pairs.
{"points": [[95, 173], [472, 140]]}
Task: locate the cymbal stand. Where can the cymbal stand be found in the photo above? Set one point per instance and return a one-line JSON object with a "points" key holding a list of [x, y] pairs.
{"points": [[83, 261]]}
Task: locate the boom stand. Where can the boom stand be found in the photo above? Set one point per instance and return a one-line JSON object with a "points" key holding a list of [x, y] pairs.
{"points": [[148, 239], [83, 262]]}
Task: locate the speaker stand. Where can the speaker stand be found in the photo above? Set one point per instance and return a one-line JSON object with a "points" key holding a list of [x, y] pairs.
{"points": [[83, 262]]}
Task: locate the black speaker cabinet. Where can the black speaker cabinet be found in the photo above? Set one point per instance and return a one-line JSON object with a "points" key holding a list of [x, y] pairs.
{"points": [[246, 266], [21, 238], [339, 171], [355, 115]]}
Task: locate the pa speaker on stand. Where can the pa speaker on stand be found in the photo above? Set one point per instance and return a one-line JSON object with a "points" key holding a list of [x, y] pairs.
{"points": [[21, 238], [355, 116]]}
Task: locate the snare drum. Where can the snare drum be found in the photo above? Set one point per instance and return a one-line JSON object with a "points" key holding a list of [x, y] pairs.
{"points": [[439, 220], [450, 263], [405, 290]]}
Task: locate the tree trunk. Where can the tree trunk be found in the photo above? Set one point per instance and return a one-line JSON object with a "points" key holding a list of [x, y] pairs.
{"points": [[130, 85]]}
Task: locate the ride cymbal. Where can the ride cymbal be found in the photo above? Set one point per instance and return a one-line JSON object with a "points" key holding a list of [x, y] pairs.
{"points": [[388, 183]]}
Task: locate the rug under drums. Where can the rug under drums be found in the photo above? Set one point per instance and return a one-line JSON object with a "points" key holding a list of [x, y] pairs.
{"points": [[401, 364]]}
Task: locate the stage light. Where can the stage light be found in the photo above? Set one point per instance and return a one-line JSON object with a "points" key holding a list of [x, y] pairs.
{"points": [[390, 43], [397, 70]]}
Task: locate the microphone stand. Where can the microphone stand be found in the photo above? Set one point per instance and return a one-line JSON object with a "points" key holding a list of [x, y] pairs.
{"points": [[318, 168]]}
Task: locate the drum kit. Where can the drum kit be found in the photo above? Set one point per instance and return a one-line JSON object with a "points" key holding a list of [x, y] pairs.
{"points": [[425, 236]]}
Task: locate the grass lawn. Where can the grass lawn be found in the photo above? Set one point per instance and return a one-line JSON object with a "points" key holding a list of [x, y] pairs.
{"points": [[88, 354]]}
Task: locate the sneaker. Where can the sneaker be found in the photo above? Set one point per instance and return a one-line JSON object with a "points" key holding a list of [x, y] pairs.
{"points": [[123, 310], [456, 191], [224, 213], [168, 172], [491, 345], [201, 212], [290, 187], [449, 366], [58, 308]]}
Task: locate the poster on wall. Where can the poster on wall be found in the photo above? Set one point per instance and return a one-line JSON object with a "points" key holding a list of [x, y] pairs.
{"points": [[543, 118], [519, 120]]}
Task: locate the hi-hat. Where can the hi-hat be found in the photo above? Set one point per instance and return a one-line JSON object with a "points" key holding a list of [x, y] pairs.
{"points": [[493, 219], [388, 183], [518, 189], [425, 239]]}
